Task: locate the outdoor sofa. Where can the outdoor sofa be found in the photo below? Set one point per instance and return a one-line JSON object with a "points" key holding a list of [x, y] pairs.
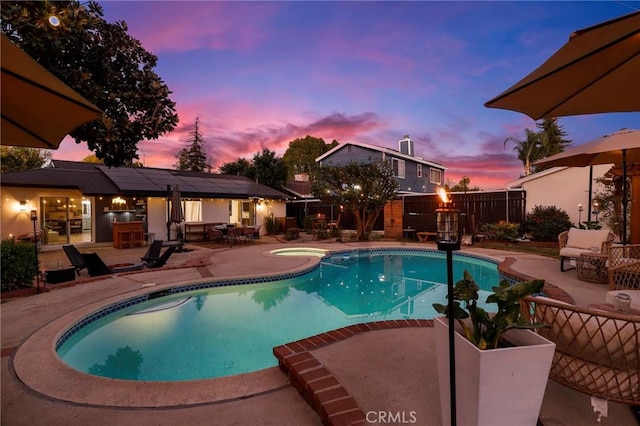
{"points": [[576, 241]]}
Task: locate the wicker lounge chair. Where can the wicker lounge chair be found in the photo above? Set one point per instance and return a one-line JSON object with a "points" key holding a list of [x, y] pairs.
{"points": [[576, 241], [596, 351]]}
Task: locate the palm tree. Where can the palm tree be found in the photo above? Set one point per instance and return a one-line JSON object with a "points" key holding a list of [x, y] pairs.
{"points": [[529, 149]]}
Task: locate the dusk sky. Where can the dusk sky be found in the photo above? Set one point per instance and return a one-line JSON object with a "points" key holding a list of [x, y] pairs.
{"points": [[261, 74]]}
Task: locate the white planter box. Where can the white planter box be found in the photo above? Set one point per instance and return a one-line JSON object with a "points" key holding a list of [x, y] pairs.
{"points": [[494, 387]]}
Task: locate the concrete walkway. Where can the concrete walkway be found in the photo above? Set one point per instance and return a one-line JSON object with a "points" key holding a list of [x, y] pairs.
{"points": [[386, 371]]}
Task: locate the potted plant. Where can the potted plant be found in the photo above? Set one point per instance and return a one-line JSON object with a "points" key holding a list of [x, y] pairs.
{"points": [[502, 366]]}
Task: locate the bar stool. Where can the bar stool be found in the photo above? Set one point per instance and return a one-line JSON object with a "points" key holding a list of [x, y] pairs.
{"points": [[125, 239]]}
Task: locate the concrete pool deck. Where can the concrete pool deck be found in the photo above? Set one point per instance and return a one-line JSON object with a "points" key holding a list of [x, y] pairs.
{"points": [[399, 380]]}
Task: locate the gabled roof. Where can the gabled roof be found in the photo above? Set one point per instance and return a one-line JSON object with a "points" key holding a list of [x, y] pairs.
{"points": [[383, 150], [97, 179]]}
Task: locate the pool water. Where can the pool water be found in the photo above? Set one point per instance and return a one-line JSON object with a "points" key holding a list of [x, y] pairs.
{"points": [[229, 330]]}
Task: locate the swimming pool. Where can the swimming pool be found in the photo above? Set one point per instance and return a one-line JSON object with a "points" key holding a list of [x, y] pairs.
{"points": [[226, 328]]}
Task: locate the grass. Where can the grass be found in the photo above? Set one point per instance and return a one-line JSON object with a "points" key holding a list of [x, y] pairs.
{"points": [[549, 249]]}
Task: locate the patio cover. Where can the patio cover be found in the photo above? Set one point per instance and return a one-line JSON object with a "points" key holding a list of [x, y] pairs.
{"points": [[38, 110]]}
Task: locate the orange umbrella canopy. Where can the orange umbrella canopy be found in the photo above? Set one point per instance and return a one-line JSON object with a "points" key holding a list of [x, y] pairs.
{"points": [[596, 71], [38, 110]]}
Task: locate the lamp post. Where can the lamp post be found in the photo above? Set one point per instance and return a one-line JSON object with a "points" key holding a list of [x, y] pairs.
{"points": [[579, 214], [34, 219], [448, 240], [596, 209]]}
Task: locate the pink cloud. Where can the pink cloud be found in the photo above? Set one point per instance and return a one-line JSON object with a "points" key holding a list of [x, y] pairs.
{"points": [[199, 25]]}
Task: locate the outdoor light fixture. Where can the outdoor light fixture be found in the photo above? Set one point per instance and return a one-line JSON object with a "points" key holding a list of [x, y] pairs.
{"points": [[34, 219], [23, 206], [580, 214], [595, 208], [448, 240]]}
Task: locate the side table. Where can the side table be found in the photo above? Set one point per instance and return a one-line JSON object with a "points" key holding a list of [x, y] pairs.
{"points": [[608, 307], [592, 267], [60, 275]]}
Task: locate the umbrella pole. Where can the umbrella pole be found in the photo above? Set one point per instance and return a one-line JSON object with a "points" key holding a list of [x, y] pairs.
{"points": [[624, 197], [590, 196], [168, 213]]}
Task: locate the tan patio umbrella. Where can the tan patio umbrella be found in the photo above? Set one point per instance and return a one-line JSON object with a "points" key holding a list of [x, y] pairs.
{"points": [[621, 148], [176, 215], [596, 71], [38, 110]]}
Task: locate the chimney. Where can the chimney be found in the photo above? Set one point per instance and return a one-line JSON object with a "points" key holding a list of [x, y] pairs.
{"points": [[406, 146]]}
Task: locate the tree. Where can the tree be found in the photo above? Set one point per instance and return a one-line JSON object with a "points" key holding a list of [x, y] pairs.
{"points": [[92, 158], [363, 189], [265, 168], [301, 155], [529, 149], [463, 186], [269, 170], [101, 62], [240, 167], [552, 136], [194, 157], [16, 158], [554, 141]]}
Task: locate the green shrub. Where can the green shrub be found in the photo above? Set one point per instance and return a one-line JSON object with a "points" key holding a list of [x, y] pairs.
{"points": [[545, 223], [270, 225], [502, 231], [18, 264], [307, 223], [292, 234]]}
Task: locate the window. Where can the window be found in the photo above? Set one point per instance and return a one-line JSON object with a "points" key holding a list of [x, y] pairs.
{"points": [[398, 168], [435, 176], [192, 210], [419, 171]]}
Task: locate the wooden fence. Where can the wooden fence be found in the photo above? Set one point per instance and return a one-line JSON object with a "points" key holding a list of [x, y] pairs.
{"points": [[417, 212]]}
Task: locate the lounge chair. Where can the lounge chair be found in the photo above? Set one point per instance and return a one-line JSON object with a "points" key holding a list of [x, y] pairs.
{"points": [[162, 259], [153, 253], [96, 266], [75, 257]]}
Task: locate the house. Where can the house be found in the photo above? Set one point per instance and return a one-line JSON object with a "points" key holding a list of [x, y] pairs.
{"points": [[567, 188], [80, 202], [414, 174]]}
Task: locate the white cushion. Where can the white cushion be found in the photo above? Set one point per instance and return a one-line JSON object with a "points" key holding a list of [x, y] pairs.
{"points": [[586, 238], [573, 252], [634, 294]]}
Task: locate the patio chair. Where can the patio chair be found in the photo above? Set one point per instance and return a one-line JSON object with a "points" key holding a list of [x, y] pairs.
{"points": [[214, 233], [576, 241], [624, 273], [596, 351], [75, 257], [153, 253], [97, 267], [162, 259]]}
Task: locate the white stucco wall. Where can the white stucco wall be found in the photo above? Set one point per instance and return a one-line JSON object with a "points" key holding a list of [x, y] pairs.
{"points": [[18, 222], [564, 188]]}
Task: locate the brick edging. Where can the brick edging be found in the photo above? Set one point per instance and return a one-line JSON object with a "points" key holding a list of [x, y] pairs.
{"points": [[507, 272], [317, 384]]}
